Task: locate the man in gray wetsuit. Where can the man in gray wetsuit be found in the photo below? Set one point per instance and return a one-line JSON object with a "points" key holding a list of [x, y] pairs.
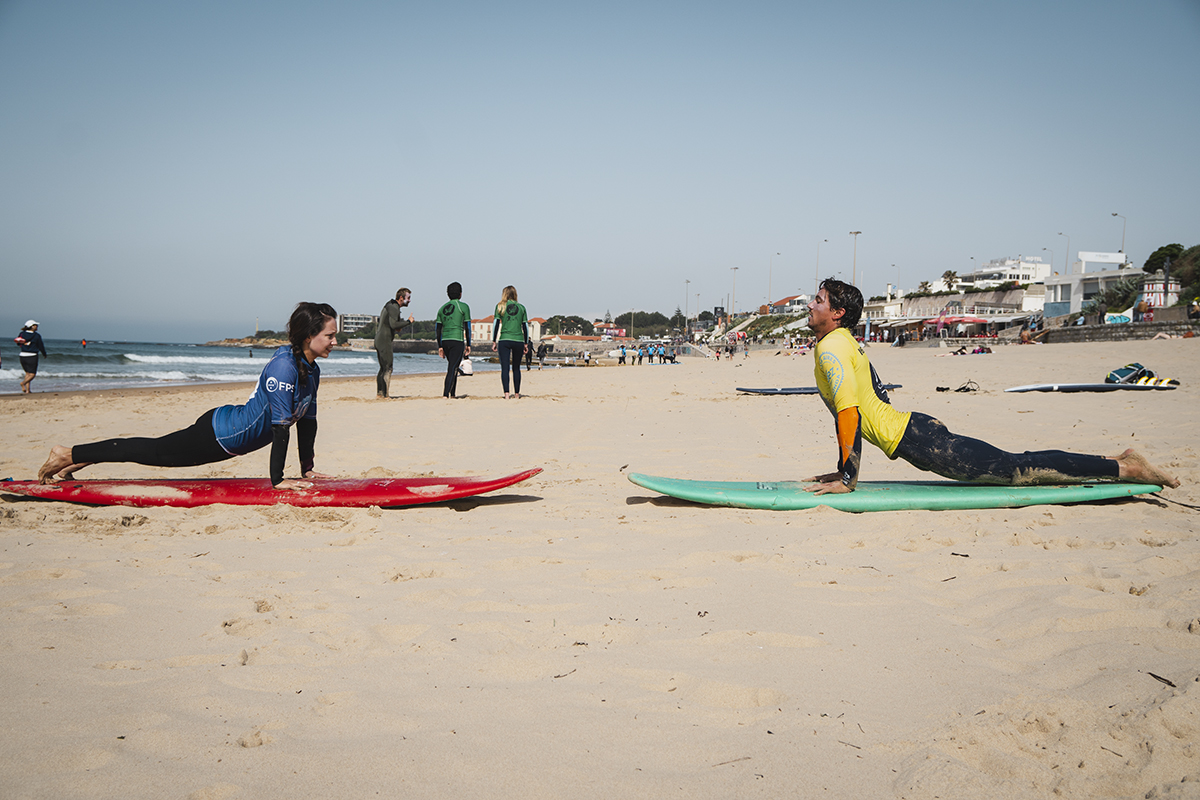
{"points": [[391, 322]]}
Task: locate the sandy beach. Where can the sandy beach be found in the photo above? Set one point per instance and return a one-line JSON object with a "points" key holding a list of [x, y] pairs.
{"points": [[577, 636]]}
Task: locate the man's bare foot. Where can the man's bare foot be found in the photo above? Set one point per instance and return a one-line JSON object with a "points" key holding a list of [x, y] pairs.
{"points": [[1136, 469], [58, 466]]}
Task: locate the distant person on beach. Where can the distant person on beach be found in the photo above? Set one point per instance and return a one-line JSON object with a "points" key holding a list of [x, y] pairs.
{"points": [[453, 332], [510, 338], [621, 358], [30, 343], [286, 395], [542, 355], [391, 322], [860, 406], [1194, 309]]}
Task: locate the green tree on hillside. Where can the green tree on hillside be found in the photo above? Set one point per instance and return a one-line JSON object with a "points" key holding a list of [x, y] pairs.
{"points": [[644, 323], [1156, 260], [571, 326]]}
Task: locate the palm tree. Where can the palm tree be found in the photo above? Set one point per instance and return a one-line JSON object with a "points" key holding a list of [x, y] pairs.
{"points": [[949, 277], [924, 287]]}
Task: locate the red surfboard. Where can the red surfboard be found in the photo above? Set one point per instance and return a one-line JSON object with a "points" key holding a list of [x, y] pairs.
{"points": [[325, 492]]}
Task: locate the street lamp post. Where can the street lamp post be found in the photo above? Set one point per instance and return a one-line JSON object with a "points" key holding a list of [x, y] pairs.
{"points": [[854, 264], [817, 274], [770, 266], [1067, 260], [733, 298], [687, 287], [1051, 252], [1124, 222]]}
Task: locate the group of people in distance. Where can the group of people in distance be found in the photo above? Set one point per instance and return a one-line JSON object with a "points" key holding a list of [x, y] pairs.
{"points": [[452, 329], [286, 396], [643, 351]]}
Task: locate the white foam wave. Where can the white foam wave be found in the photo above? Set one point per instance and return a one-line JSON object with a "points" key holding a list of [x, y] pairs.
{"points": [[213, 360], [206, 360]]}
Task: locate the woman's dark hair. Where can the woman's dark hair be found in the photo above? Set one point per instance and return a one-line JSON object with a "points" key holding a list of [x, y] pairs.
{"points": [[454, 291], [846, 297], [307, 320]]}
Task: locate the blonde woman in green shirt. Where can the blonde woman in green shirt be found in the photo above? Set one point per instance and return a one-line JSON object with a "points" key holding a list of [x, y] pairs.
{"points": [[510, 336]]}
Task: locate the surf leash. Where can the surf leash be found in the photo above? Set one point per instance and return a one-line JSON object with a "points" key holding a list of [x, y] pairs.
{"points": [[1176, 502]]}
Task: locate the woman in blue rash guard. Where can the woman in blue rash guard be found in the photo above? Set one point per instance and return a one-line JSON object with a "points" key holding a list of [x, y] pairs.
{"points": [[286, 395]]}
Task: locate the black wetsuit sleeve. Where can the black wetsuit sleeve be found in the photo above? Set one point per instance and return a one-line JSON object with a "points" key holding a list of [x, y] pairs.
{"points": [[280, 435], [437, 333], [495, 329], [525, 332], [467, 329], [306, 438]]}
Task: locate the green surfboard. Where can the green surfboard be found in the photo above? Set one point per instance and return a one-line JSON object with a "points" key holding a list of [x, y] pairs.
{"points": [[884, 496]]}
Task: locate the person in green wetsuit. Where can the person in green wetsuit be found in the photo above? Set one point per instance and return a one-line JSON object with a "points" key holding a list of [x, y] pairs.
{"points": [[453, 330], [510, 337], [861, 409]]}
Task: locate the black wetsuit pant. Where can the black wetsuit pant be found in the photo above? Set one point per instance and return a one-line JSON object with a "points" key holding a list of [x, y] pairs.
{"points": [[929, 446], [510, 358], [453, 350], [383, 380], [190, 447], [529, 358]]}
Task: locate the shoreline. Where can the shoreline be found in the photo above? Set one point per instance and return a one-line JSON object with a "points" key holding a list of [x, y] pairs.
{"points": [[206, 386]]}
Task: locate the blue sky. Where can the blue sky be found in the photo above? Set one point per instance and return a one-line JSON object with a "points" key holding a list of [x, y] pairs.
{"points": [[171, 171]]}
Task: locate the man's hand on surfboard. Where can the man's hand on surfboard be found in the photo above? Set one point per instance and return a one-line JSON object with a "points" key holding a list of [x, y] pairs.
{"points": [[829, 487], [829, 483]]}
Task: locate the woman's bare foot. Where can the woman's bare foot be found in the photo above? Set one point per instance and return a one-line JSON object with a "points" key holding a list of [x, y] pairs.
{"points": [[1136, 469], [58, 466]]}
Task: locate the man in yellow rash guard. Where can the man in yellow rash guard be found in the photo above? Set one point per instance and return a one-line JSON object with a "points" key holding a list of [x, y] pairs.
{"points": [[854, 394]]}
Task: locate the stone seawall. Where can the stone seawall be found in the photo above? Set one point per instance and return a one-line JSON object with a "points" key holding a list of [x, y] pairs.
{"points": [[1118, 332]]}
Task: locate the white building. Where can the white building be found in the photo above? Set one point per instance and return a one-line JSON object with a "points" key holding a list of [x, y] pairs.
{"points": [[1066, 294], [1022, 269], [349, 323]]}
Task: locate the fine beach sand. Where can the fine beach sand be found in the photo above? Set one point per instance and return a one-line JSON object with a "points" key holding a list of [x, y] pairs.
{"points": [[577, 636]]}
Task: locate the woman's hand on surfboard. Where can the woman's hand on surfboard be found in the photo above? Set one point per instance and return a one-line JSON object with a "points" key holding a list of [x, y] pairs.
{"points": [[292, 485], [314, 474]]}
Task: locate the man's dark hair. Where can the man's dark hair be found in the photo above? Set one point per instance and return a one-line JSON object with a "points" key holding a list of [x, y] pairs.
{"points": [[454, 291], [846, 297], [401, 292]]}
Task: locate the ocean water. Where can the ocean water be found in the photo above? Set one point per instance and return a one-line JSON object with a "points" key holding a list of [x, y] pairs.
{"points": [[120, 365]]}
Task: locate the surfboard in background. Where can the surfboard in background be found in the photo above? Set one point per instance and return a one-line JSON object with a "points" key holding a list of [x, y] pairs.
{"points": [[801, 389]]}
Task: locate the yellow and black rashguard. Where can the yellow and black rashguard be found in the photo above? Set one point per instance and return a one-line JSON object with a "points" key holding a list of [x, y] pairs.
{"points": [[855, 396]]}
